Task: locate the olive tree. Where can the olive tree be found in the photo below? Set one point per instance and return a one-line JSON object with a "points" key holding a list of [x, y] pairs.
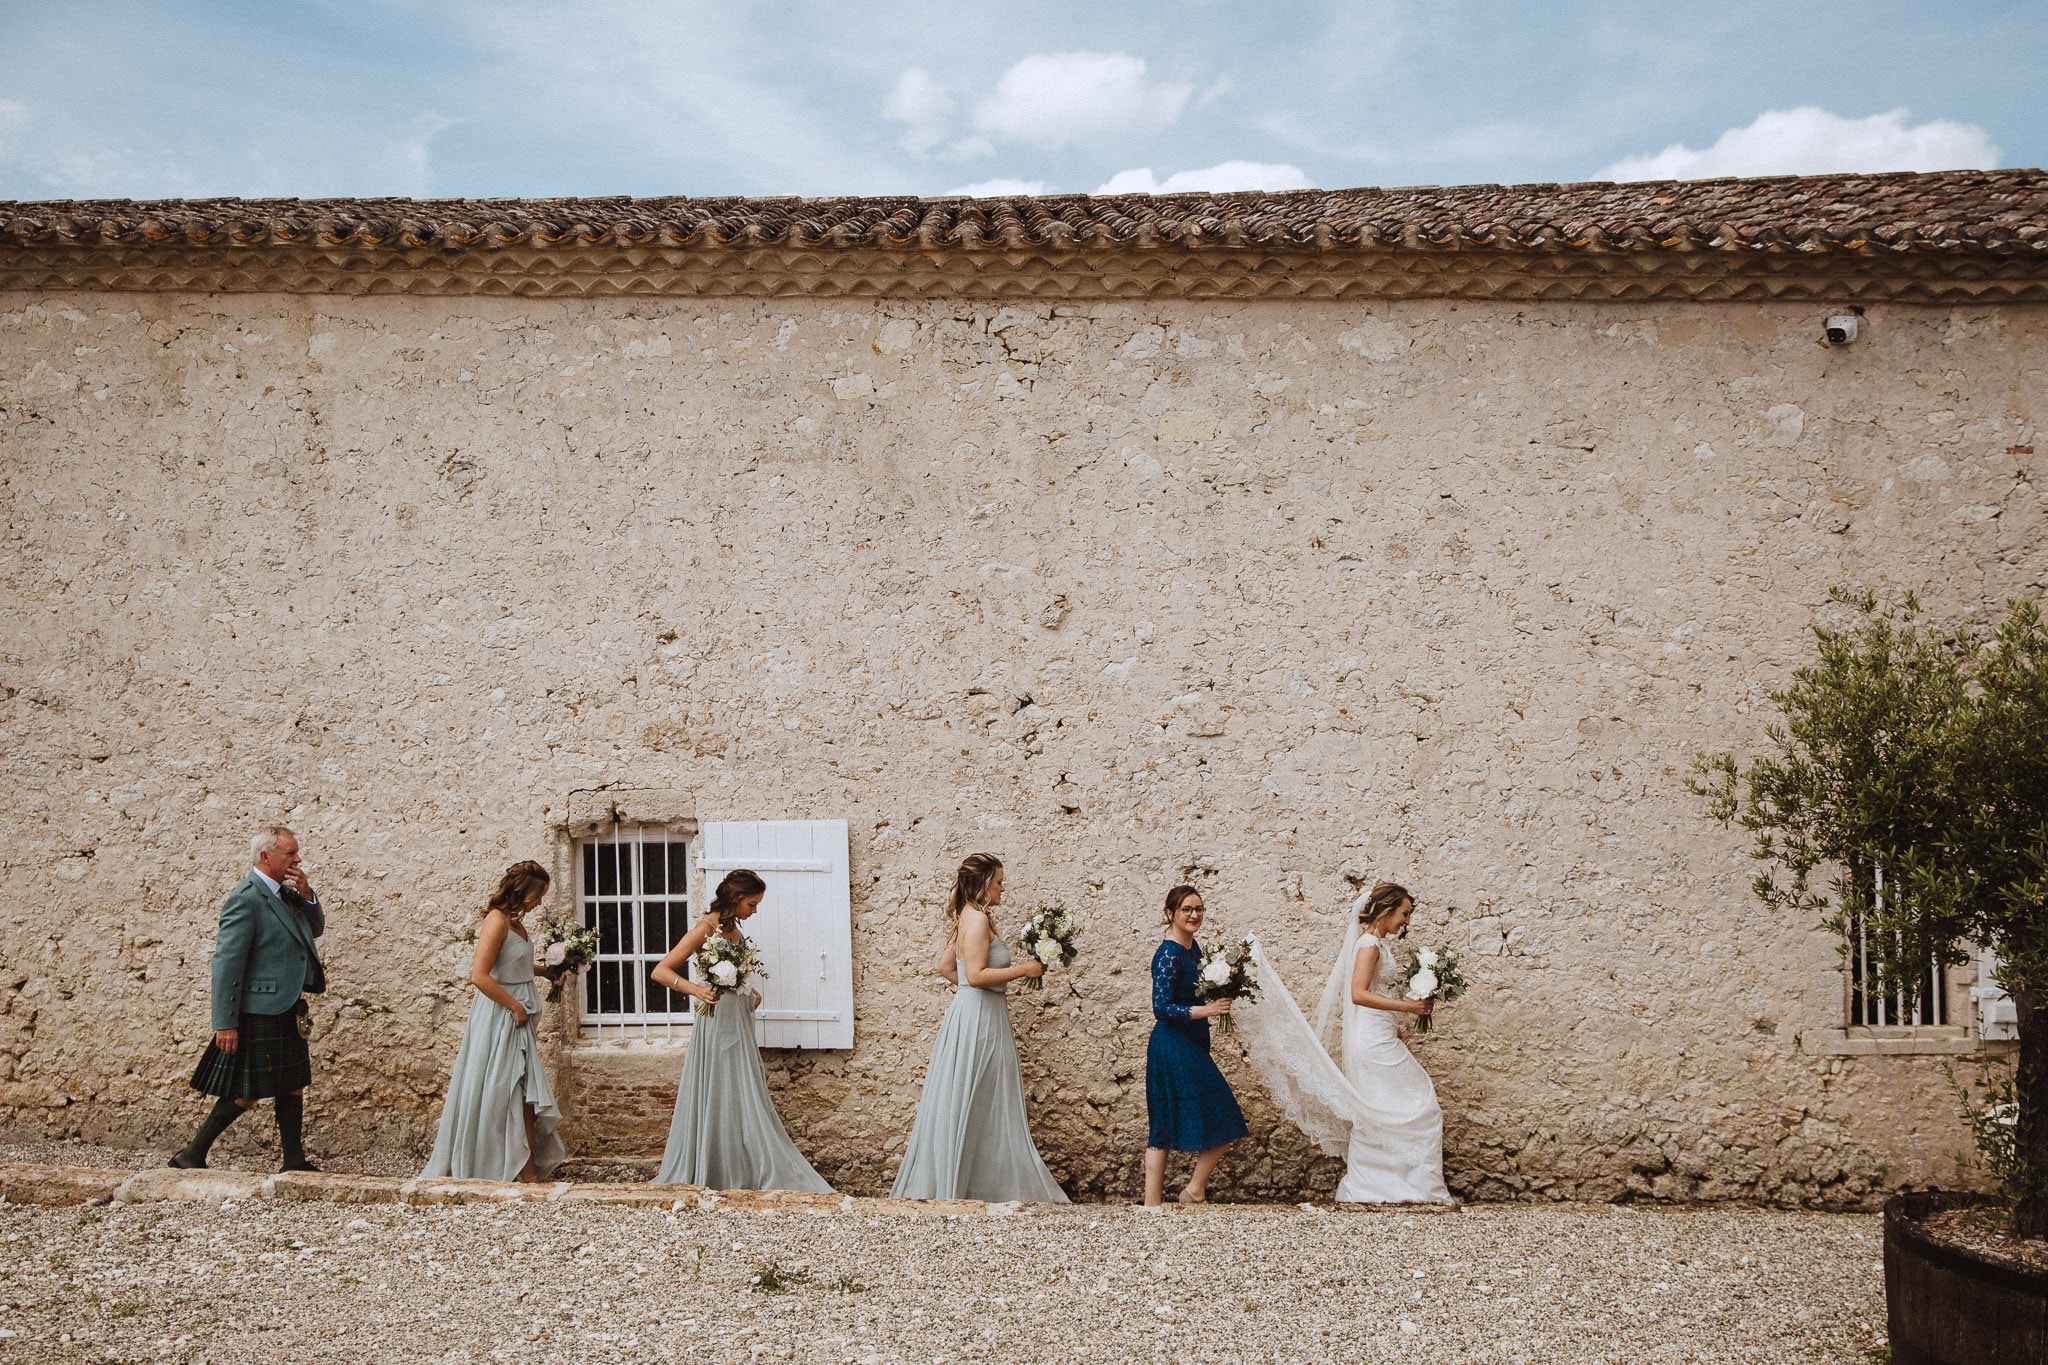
{"points": [[1905, 800]]}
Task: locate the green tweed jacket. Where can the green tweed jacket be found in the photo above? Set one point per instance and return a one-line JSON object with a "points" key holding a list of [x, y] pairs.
{"points": [[265, 955]]}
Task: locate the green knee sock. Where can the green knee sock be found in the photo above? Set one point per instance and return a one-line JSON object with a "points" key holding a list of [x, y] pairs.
{"points": [[291, 1126], [225, 1112]]}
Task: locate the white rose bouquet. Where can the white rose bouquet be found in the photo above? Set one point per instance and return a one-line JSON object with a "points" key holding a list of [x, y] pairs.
{"points": [[726, 967], [1432, 974], [1228, 973], [1049, 936], [567, 947]]}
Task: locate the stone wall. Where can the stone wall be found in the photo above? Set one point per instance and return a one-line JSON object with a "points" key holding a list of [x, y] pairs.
{"points": [[1280, 597]]}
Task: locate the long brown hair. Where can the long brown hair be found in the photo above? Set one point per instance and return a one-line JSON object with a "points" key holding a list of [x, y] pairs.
{"points": [[518, 888], [970, 884], [734, 887], [1385, 896]]}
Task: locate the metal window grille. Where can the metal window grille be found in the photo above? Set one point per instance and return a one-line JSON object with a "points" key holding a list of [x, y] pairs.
{"points": [[1869, 1003], [633, 887]]}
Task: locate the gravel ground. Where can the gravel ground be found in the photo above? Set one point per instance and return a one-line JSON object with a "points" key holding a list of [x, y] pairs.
{"points": [[271, 1281], [264, 1160]]}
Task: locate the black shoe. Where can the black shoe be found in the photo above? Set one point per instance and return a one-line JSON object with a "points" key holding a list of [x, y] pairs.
{"points": [[180, 1162], [290, 1166]]}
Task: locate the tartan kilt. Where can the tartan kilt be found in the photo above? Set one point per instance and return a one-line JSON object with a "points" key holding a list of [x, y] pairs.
{"points": [[269, 1060]]}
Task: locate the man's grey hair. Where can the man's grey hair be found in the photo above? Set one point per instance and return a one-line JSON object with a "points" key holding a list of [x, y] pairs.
{"points": [[267, 840]]}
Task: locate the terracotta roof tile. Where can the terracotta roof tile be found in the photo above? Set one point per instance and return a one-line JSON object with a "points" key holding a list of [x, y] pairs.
{"points": [[1968, 212]]}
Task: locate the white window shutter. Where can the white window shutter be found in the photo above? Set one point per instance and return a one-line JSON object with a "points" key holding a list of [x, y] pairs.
{"points": [[1997, 1019], [804, 928]]}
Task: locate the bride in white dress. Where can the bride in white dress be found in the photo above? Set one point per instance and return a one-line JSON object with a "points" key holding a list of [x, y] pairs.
{"points": [[1379, 1111]]}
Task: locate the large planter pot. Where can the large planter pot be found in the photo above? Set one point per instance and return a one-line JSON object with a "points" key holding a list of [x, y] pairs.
{"points": [[1947, 1306]]}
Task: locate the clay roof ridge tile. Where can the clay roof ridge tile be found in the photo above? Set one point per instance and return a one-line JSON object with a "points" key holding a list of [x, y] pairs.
{"points": [[1977, 211]]}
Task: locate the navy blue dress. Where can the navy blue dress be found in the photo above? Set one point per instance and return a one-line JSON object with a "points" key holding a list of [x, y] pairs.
{"points": [[1190, 1103]]}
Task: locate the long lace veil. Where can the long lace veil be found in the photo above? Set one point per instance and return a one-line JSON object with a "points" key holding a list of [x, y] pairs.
{"points": [[1290, 1056]]}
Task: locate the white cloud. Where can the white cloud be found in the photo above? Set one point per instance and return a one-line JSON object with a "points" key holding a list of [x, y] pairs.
{"points": [[1230, 175], [418, 148], [673, 90], [1055, 98], [924, 105], [1810, 141], [999, 188]]}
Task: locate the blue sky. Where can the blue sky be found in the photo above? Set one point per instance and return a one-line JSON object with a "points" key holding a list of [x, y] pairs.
{"points": [[486, 98]]}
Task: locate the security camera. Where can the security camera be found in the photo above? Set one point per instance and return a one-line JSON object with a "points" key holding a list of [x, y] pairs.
{"points": [[1841, 329]]}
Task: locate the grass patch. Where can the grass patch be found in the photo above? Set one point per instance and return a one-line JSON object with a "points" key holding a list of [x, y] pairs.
{"points": [[771, 1278]]}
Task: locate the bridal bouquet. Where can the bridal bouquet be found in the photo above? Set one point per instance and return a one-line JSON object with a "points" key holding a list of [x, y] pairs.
{"points": [[1049, 936], [1228, 973], [570, 947], [726, 966], [1432, 974]]}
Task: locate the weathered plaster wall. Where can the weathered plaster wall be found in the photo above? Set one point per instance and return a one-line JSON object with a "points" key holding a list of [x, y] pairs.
{"points": [[1282, 596]]}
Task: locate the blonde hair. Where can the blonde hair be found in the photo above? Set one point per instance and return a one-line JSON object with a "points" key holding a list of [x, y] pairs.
{"points": [[970, 884], [1384, 898]]}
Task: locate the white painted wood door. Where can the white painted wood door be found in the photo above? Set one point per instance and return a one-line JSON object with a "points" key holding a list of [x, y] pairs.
{"points": [[804, 928], [1998, 1019]]}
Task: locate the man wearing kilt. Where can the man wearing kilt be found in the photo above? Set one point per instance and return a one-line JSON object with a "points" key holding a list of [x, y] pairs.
{"points": [[263, 959]]}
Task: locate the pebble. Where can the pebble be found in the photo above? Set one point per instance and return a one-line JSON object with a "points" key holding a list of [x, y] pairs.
{"points": [[530, 1282]]}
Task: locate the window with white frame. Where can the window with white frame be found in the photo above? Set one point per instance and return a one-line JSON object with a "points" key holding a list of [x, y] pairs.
{"points": [[633, 887], [635, 883], [1871, 1004]]}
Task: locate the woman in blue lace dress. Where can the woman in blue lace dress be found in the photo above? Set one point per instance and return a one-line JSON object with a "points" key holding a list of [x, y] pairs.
{"points": [[1191, 1107]]}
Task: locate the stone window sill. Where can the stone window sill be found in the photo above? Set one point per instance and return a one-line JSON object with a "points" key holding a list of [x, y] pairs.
{"points": [[588, 1046], [1948, 1040]]}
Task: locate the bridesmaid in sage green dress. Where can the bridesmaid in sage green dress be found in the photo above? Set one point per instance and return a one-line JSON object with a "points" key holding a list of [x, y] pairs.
{"points": [[726, 1134], [498, 1119], [972, 1139]]}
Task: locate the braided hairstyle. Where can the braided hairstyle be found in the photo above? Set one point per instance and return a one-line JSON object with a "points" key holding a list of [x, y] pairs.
{"points": [[734, 887], [522, 885], [1384, 898]]}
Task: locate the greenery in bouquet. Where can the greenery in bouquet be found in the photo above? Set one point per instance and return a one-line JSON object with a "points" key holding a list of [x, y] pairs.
{"points": [[1228, 973], [1049, 936], [726, 966], [1432, 974], [564, 949]]}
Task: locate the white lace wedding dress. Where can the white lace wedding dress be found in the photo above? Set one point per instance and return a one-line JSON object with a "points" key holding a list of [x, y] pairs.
{"points": [[1379, 1111]]}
